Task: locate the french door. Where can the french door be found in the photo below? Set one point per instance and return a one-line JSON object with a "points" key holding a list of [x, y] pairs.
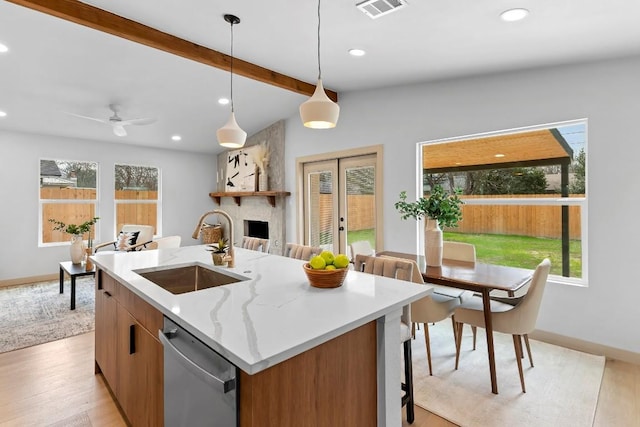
{"points": [[340, 202]]}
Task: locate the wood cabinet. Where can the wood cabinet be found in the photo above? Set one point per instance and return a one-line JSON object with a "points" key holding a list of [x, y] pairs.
{"points": [[334, 383], [106, 328], [127, 351]]}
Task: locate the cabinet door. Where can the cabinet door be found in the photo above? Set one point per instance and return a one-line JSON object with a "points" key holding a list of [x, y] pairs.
{"points": [[140, 373], [106, 329]]}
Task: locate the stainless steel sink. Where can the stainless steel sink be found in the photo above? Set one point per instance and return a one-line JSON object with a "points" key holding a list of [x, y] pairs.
{"points": [[188, 278]]}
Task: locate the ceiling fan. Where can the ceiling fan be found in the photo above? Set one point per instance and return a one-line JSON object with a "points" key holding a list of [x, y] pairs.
{"points": [[116, 122]]}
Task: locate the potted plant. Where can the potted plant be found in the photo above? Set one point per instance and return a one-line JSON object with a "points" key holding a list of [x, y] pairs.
{"points": [[439, 209], [219, 253], [77, 231]]}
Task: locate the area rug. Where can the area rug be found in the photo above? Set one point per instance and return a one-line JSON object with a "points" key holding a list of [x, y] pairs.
{"points": [[562, 388], [39, 313]]}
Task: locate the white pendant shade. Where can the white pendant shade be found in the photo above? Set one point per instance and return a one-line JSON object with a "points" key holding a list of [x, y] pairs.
{"points": [[319, 112], [230, 135]]}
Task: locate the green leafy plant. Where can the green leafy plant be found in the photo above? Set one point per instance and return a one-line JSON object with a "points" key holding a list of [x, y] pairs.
{"points": [[439, 205], [221, 246], [74, 229]]}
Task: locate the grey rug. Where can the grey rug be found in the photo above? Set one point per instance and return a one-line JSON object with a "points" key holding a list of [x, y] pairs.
{"points": [[562, 389], [37, 313]]}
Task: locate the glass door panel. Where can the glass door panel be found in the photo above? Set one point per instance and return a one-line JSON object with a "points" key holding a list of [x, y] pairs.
{"points": [[321, 205], [358, 197]]}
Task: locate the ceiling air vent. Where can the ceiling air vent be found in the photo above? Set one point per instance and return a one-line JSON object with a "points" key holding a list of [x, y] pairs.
{"points": [[376, 8]]}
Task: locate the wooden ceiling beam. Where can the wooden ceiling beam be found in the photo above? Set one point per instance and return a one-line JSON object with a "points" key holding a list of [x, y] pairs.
{"points": [[101, 20]]}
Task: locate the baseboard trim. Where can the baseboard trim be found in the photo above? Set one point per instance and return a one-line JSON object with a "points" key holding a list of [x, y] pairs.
{"points": [[27, 280], [586, 346]]}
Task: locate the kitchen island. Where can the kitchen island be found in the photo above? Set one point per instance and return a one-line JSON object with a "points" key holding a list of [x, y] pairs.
{"points": [[270, 319]]}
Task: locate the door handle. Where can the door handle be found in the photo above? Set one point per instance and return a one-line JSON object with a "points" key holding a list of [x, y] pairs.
{"points": [[132, 339], [224, 385]]}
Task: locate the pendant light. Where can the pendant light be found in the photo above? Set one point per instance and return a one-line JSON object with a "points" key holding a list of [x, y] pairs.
{"points": [[231, 135], [319, 112]]}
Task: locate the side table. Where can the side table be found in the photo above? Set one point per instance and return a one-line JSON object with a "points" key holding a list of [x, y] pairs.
{"points": [[73, 270]]}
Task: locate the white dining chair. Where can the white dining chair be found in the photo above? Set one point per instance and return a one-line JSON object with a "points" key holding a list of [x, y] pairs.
{"points": [[516, 316], [430, 309]]}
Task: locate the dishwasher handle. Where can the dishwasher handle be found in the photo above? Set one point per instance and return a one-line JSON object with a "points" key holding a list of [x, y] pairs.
{"points": [[206, 376]]}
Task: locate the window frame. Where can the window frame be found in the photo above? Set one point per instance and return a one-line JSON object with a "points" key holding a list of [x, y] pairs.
{"points": [[157, 201], [42, 202], [582, 202]]}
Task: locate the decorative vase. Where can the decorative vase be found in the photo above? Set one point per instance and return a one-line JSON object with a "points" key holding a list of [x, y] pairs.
{"points": [[77, 249], [263, 181], [88, 264], [219, 258], [433, 243]]}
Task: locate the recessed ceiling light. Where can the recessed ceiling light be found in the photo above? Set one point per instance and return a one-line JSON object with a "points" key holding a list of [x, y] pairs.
{"points": [[3, 114], [512, 15], [3, 48], [223, 101], [176, 138], [499, 155], [357, 52]]}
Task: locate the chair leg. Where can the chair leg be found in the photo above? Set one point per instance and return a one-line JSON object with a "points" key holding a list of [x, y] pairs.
{"points": [[526, 341], [427, 343], [458, 341], [407, 399], [455, 332], [475, 332], [413, 330], [517, 345]]}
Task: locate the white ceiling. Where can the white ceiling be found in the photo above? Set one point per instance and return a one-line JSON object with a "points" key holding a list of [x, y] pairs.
{"points": [[55, 67]]}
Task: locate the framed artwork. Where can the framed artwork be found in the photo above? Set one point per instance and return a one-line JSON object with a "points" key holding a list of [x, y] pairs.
{"points": [[241, 170]]}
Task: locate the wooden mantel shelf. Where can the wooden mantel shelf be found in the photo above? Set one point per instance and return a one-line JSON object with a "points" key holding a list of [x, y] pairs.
{"points": [[238, 195]]}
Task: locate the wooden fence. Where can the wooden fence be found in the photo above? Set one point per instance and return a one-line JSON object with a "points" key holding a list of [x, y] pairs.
{"points": [[522, 220], [77, 213]]}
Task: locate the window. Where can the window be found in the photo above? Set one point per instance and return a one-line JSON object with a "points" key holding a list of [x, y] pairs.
{"points": [[137, 198], [67, 194], [524, 192]]}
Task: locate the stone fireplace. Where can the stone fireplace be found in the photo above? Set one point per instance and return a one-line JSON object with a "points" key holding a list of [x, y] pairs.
{"points": [[259, 229], [256, 210]]}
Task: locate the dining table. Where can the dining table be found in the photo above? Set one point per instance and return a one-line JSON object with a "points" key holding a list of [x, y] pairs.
{"points": [[478, 277]]}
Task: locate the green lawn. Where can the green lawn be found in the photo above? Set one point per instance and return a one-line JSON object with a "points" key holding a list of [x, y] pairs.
{"points": [[515, 251], [521, 251], [356, 236]]}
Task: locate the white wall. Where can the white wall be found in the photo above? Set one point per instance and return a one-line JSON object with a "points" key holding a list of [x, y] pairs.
{"points": [[606, 93], [187, 179]]}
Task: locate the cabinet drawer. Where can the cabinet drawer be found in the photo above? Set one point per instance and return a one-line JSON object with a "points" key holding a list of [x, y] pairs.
{"points": [[150, 318], [107, 283]]}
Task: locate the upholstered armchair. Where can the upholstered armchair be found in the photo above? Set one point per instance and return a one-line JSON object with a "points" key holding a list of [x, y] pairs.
{"points": [[132, 237]]}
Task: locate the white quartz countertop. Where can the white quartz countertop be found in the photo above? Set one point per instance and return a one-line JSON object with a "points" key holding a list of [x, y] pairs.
{"points": [[272, 314]]}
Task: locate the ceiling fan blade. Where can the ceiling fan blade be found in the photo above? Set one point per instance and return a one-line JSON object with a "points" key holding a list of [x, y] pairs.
{"points": [[142, 121], [119, 130], [89, 118]]}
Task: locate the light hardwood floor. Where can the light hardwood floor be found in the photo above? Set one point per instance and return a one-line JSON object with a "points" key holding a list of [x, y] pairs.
{"points": [[53, 384]]}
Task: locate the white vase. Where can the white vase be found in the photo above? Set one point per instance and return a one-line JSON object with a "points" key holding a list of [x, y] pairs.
{"points": [[433, 243], [77, 249], [263, 181]]}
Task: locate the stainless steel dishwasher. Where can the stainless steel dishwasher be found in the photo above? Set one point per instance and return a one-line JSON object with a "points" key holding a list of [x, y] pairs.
{"points": [[200, 386]]}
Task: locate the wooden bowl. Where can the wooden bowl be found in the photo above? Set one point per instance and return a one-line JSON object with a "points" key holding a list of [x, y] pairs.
{"points": [[325, 278]]}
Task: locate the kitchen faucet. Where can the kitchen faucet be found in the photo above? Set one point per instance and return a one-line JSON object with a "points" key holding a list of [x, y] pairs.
{"points": [[196, 233]]}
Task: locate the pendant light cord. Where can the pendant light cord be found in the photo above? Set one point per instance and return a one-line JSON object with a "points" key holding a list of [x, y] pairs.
{"points": [[319, 69], [232, 110]]}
